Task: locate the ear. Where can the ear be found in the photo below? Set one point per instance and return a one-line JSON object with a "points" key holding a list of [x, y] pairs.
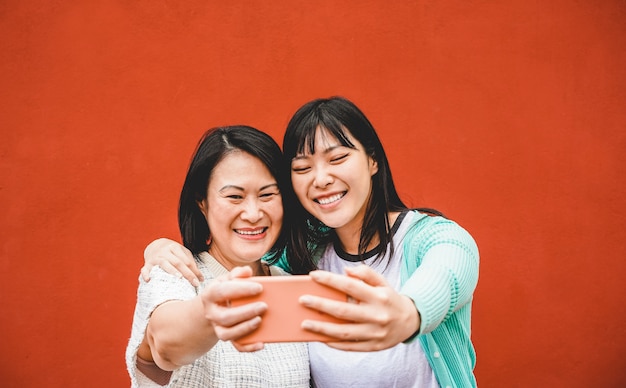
{"points": [[203, 207], [373, 166]]}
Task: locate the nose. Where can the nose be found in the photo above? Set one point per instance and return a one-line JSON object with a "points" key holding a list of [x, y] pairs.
{"points": [[322, 178], [252, 210]]}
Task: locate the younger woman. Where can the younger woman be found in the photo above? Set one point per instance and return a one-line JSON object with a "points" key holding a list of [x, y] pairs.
{"points": [[412, 272]]}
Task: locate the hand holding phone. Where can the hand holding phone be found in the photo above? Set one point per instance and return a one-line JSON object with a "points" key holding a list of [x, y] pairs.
{"points": [[281, 322]]}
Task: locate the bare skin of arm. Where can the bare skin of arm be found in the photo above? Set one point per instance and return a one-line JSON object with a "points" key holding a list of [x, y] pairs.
{"points": [[181, 331]]}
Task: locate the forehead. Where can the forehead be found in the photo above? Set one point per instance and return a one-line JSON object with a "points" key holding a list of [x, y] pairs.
{"points": [[323, 139], [240, 168]]}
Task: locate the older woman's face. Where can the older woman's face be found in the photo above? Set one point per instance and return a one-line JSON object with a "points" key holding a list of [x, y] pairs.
{"points": [[243, 208]]}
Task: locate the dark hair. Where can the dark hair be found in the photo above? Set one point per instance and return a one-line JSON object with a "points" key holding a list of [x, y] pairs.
{"points": [[214, 145], [338, 115]]}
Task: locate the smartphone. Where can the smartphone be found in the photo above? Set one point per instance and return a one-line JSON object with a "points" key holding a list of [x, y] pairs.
{"points": [[281, 322]]}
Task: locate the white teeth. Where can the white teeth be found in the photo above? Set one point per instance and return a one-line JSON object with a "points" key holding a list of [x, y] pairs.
{"points": [[251, 232], [331, 199]]}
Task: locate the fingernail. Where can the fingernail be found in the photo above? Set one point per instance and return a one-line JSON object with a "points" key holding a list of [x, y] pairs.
{"points": [[260, 309], [305, 300], [306, 325], [179, 275], [195, 282]]}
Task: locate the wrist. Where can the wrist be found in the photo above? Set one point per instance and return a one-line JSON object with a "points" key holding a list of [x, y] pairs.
{"points": [[414, 320]]}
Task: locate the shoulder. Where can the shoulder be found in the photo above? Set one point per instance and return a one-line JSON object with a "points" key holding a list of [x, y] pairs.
{"points": [[164, 286]]}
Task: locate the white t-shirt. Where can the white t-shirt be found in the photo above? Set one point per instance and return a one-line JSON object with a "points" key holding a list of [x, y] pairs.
{"points": [[404, 365]]}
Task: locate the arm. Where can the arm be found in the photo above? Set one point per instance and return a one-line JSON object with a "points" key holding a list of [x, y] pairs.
{"points": [[440, 275], [173, 258], [179, 332], [441, 271]]}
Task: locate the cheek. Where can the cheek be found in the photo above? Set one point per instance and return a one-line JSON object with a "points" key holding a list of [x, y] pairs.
{"points": [[218, 212], [299, 186], [275, 211]]}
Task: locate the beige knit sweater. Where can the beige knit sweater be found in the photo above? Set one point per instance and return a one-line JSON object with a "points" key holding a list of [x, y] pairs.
{"points": [[277, 365]]}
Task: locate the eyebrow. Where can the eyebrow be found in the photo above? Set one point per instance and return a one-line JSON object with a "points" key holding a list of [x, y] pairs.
{"points": [[242, 189]]}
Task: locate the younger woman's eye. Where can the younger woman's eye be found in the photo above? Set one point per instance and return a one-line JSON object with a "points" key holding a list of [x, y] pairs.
{"points": [[339, 158], [300, 169]]}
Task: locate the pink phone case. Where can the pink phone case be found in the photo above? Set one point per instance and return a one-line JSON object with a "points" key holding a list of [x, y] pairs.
{"points": [[281, 322]]}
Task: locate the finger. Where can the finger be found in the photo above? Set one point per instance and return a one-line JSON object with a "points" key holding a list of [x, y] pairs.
{"points": [[354, 287], [240, 272], [344, 310], [185, 262], [183, 271], [169, 268], [356, 346], [342, 331], [248, 347], [145, 272], [230, 333], [223, 291], [356, 337], [366, 274]]}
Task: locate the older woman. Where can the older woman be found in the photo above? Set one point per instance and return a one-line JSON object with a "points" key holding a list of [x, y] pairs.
{"points": [[230, 215]]}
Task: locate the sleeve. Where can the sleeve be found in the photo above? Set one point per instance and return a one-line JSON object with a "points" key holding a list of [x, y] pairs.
{"points": [[441, 262], [161, 288]]}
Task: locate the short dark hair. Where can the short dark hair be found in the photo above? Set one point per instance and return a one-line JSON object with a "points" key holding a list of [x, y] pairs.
{"points": [[214, 145]]}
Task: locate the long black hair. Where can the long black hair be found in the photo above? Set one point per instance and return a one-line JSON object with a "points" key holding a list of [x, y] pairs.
{"points": [[339, 116], [214, 145]]}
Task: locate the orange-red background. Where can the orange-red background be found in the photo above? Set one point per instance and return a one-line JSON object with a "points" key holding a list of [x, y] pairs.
{"points": [[508, 117]]}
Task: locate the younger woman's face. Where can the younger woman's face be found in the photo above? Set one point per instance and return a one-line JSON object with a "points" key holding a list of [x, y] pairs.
{"points": [[243, 208], [334, 182]]}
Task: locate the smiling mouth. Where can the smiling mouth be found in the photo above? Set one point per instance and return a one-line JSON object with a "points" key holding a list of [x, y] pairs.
{"points": [[331, 199], [250, 232]]}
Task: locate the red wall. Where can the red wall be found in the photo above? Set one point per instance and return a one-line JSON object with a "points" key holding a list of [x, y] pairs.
{"points": [[508, 117]]}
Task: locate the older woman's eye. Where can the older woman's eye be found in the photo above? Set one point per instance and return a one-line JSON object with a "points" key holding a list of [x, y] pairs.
{"points": [[268, 196]]}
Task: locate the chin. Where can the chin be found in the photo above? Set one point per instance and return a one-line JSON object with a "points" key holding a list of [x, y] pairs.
{"points": [[252, 256], [332, 222]]}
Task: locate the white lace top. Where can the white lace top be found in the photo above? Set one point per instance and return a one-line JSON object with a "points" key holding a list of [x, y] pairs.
{"points": [[277, 365]]}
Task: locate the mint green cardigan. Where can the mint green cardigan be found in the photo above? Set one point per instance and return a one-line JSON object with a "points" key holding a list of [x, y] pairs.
{"points": [[440, 273]]}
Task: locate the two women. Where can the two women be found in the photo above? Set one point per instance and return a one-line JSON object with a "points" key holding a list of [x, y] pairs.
{"points": [[412, 272]]}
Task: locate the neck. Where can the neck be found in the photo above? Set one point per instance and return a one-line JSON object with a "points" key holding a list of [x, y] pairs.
{"points": [[258, 267], [349, 237]]}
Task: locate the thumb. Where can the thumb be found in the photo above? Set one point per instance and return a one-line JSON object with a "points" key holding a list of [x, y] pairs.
{"points": [[240, 272]]}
